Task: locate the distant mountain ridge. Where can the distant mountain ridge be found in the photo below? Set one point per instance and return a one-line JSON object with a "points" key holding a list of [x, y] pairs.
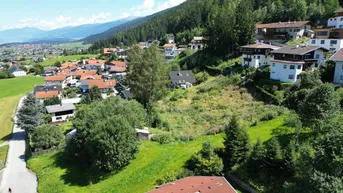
{"points": [[32, 34], [114, 30]]}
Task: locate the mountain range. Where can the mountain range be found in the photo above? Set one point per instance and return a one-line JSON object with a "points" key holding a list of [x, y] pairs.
{"points": [[70, 33]]}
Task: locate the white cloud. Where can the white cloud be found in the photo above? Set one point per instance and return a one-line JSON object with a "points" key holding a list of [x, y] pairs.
{"points": [[146, 8]]}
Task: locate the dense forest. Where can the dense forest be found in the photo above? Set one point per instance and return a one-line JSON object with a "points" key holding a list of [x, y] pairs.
{"points": [[219, 18]]}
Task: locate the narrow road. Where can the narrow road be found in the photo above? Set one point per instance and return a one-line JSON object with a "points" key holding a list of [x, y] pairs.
{"points": [[15, 175]]}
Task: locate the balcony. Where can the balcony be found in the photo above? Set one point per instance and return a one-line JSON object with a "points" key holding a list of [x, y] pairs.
{"points": [[247, 59]]}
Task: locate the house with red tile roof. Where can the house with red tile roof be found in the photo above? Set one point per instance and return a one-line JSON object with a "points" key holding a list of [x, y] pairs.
{"points": [[94, 64], [108, 51], [283, 31], [56, 80], [42, 95], [197, 184], [104, 85]]}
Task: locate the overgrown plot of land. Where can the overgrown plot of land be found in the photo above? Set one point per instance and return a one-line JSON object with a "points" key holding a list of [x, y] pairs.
{"points": [[3, 155], [7, 106]]}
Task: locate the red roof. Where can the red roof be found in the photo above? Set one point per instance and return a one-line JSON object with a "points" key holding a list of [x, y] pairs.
{"points": [[169, 45], [292, 24], [46, 94], [338, 55], [96, 62], [110, 50], [118, 63], [118, 69], [209, 184], [84, 72], [67, 65], [101, 83], [55, 78]]}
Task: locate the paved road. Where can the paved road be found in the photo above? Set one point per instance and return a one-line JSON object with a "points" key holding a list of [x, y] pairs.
{"points": [[16, 175]]}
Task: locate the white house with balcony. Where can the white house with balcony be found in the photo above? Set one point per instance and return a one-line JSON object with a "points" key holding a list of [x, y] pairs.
{"points": [[170, 51], [257, 55], [333, 45], [61, 112], [290, 61]]}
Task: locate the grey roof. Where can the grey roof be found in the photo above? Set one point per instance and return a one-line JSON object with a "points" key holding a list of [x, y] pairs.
{"points": [[127, 94], [178, 77], [14, 69], [301, 50], [59, 108], [47, 88], [84, 82]]}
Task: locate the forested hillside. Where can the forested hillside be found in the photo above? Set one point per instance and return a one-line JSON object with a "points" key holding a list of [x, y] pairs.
{"points": [[221, 17]]}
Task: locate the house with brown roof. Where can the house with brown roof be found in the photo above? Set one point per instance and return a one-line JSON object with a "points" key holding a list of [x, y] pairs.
{"points": [[109, 51], [42, 95], [169, 51], [196, 184], [105, 86], [55, 80], [283, 31], [290, 61], [94, 64], [256, 55], [338, 59]]}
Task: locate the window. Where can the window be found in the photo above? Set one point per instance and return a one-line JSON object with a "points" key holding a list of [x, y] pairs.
{"points": [[322, 41], [273, 72], [317, 56], [341, 18], [333, 42], [290, 30], [322, 33], [273, 64], [299, 67], [292, 67], [298, 30], [340, 26], [341, 77], [258, 57], [313, 41], [284, 66], [254, 57], [316, 65], [291, 76]]}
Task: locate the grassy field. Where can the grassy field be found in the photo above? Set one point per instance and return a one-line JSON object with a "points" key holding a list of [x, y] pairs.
{"points": [[51, 62], [71, 45], [18, 86], [152, 162], [8, 106], [3, 155]]}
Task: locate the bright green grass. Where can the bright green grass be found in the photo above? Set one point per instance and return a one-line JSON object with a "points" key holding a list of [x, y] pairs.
{"points": [[302, 40], [8, 106], [18, 86], [51, 62], [152, 162], [72, 45], [3, 155]]}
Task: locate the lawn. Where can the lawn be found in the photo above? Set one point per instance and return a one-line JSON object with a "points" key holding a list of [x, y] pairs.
{"points": [[3, 155], [8, 106], [51, 62], [18, 86], [152, 162]]}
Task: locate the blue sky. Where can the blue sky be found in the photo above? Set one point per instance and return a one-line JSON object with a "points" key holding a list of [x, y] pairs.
{"points": [[49, 14]]}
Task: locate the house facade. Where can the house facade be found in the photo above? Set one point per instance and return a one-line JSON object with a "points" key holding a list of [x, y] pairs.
{"points": [[182, 79], [338, 59], [198, 43], [17, 72], [282, 31], [257, 55], [290, 61], [61, 113], [55, 80], [170, 51]]}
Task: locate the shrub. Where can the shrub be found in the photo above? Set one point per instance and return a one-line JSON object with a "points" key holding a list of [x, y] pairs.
{"points": [[47, 118], [269, 116], [47, 136], [201, 77], [162, 138], [197, 97]]}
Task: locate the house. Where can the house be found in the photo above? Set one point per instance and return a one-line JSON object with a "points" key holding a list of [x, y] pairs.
{"points": [[290, 61], [182, 79], [42, 95], [94, 64], [282, 31], [104, 85], [41, 88], [50, 71], [17, 71], [117, 69], [68, 65], [330, 36], [196, 184], [91, 77], [257, 55], [171, 38], [143, 134], [122, 54], [338, 59], [61, 112], [56, 80], [143, 45], [198, 43], [170, 51], [109, 51]]}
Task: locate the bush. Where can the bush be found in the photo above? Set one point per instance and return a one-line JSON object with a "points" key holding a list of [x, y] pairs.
{"points": [[201, 77], [162, 138], [47, 118], [47, 136], [269, 116]]}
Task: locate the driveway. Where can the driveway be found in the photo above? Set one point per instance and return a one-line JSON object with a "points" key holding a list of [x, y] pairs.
{"points": [[16, 175]]}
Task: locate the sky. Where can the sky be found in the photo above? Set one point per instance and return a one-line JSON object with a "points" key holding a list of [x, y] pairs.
{"points": [[52, 14]]}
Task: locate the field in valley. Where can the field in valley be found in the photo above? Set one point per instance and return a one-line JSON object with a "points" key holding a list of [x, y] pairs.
{"points": [[10, 92], [51, 62], [72, 45]]}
